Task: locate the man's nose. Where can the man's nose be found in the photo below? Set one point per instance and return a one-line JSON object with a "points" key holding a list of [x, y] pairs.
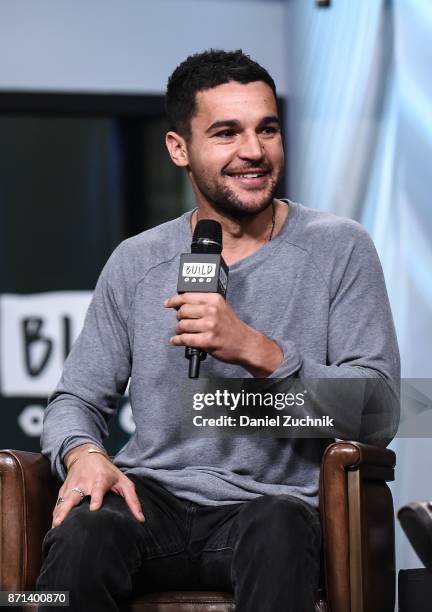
{"points": [[251, 147]]}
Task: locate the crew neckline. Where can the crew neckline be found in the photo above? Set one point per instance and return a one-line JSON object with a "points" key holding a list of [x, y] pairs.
{"points": [[265, 250]]}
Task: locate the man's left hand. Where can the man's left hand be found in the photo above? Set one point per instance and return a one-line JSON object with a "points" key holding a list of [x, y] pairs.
{"points": [[207, 322]]}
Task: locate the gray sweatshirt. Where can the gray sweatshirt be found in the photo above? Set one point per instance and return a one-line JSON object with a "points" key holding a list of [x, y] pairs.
{"points": [[317, 289]]}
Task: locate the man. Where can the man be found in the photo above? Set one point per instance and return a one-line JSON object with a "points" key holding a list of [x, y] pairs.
{"points": [[306, 298]]}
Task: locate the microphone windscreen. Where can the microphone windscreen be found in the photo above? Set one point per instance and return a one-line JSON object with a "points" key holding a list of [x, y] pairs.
{"points": [[207, 237]]}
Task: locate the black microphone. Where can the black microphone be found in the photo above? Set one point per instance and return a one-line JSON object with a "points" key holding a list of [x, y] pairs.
{"points": [[203, 271]]}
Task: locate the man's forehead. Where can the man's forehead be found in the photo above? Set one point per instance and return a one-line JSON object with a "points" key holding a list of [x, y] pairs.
{"points": [[233, 96]]}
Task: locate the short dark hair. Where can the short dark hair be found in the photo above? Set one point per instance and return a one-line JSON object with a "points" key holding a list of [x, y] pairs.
{"points": [[203, 71]]}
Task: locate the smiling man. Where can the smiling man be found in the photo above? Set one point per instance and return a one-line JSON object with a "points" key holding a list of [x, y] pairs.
{"points": [[306, 299], [235, 158], [229, 140]]}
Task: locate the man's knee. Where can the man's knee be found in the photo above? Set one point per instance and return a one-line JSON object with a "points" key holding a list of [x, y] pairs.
{"points": [[88, 528], [88, 543]]}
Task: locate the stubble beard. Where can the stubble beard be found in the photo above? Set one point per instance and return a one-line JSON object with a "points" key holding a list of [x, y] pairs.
{"points": [[223, 199]]}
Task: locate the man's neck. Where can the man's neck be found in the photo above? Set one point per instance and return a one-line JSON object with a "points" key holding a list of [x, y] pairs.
{"points": [[242, 237]]}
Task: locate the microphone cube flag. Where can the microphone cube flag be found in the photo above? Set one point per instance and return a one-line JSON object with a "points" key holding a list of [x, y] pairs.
{"points": [[202, 273]]}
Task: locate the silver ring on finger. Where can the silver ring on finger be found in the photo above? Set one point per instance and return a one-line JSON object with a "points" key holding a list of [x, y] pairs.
{"points": [[60, 501], [80, 491]]}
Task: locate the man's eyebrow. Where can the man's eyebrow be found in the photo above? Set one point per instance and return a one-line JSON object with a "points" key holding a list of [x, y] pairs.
{"points": [[223, 123], [270, 119], [235, 123]]}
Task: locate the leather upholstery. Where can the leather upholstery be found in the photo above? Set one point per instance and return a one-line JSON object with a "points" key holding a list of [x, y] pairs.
{"points": [[183, 602], [27, 496], [377, 554], [193, 602], [352, 481]]}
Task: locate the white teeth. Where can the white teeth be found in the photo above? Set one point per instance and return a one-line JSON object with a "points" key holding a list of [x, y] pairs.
{"points": [[249, 175]]}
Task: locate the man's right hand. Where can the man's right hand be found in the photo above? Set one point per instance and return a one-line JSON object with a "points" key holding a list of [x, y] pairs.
{"points": [[95, 475]]}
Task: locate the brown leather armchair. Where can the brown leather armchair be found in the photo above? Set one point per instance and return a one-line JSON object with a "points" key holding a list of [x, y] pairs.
{"points": [[356, 509]]}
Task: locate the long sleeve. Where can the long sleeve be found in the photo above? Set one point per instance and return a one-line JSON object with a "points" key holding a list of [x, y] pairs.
{"points": [[361, 350], [95, 373]]}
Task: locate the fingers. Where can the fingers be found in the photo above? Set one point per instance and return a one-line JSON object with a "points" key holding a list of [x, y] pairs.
{"points": [[94, 477], [127, 490], [176, 301], [97, 495], [201, 341], [66, 500], [191, 311], [194, 326]]}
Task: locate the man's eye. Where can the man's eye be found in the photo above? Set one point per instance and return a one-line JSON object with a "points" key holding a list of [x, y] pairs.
{"points": [[270, 130], [226, 133]]}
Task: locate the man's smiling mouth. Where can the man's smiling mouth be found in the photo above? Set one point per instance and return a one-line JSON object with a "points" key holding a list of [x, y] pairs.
{"points": [[251, 178], [249, 173]]}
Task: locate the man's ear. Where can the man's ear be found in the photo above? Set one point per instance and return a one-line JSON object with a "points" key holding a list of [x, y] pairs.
{"points": [[177, 149]]}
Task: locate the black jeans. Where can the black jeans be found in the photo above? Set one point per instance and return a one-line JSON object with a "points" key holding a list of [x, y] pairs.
{"points": [[267, 551]]}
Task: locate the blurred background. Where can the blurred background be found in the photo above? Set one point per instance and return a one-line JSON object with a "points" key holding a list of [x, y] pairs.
{"points": [[83, 163]]}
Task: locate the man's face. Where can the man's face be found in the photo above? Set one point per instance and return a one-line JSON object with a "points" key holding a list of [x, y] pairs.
{"points": [[235, 153]]}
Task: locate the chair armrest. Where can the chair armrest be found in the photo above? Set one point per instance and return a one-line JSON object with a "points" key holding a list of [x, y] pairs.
{"points": [[376, 461], [28, 492], [356, 509]]}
